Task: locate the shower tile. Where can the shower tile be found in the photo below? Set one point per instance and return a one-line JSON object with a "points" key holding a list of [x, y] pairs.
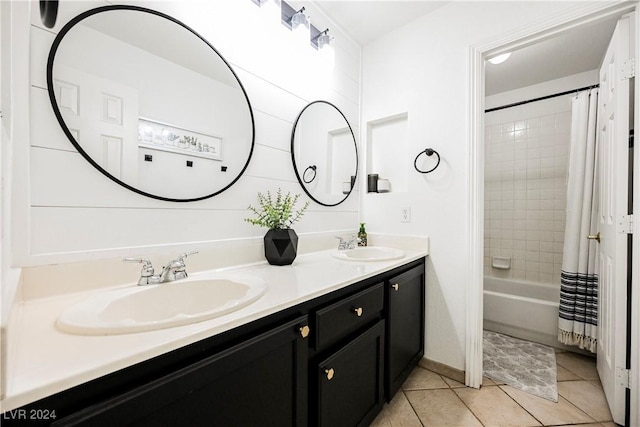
{"points": [[508, 127], [493, 406], [533, 276], [533, 123], [532, 258]]}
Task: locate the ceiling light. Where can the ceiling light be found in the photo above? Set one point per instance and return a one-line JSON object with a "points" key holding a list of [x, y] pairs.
{"points": [[500, 58]]}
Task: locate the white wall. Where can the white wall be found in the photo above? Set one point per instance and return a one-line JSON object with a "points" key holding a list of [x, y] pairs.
{"points": [[423, 69], [67, 211]]}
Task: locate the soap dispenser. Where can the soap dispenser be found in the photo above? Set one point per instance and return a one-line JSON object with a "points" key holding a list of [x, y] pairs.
{"points": [[362, 236]]}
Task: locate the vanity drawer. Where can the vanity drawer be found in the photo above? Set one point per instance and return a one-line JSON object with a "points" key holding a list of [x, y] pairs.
{"points": [[340, 319]]}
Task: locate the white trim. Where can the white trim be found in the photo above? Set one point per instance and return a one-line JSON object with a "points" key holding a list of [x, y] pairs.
{"points": [[635, 262], [580, 14]]}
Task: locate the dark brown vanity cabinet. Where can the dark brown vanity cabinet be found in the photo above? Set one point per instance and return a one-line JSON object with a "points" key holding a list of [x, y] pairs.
{"points": [[405, 301], [331, 361]]}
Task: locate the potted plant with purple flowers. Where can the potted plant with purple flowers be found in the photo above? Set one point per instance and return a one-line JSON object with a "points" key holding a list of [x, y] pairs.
{"points": [[278, 214]]}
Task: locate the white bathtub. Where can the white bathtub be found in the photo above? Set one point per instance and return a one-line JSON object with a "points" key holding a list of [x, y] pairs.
{"points": [[526, 310]]}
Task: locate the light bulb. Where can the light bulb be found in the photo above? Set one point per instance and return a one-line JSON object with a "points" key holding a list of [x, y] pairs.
{"points": [[500, 58]]}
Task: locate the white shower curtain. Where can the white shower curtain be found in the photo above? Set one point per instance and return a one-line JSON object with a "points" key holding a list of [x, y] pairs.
{"points": [[578, 321]]}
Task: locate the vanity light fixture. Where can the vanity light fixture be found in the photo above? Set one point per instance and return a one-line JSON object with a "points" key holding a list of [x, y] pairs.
{"points": [[500, 58], [298, 22], [300, 27], [323, 43]]}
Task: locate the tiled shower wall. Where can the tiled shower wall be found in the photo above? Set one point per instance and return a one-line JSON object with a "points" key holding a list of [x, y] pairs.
{"points": [[526, 162]]}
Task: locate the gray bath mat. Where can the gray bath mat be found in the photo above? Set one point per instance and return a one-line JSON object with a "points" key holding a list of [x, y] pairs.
{"points": [[524, 365]]}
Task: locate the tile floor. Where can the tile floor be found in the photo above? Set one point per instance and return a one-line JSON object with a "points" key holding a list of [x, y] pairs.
{"points": [[428, 399]]}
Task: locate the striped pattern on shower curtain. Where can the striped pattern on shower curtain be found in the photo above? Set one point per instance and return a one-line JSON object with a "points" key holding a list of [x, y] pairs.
{"points": [[578, 316]]}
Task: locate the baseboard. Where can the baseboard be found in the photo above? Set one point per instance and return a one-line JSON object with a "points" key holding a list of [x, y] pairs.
{"points": [[442, 369]]}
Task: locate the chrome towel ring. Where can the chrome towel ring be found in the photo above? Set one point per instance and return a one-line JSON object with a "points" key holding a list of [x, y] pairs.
{"points": [[429, 152]]}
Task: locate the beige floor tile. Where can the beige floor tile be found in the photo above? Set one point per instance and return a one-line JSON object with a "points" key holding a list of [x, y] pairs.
{"points": [[486, 381], [441, 408], [453, 383], [586, 425], [494, 407], [565, 374], [583, 366], [587, 397], [546, 411], [398, 413], [423, 379]]}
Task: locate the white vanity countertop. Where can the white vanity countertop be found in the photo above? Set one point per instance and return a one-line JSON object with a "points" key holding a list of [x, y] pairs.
{"points": [[43, 360]]}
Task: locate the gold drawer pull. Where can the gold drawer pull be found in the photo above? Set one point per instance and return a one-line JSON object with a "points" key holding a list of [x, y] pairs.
{"points": [[329, 373], [358, 311], [304, 331], [395, 286]]}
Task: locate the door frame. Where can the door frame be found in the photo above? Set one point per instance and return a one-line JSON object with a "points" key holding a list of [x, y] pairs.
{"points": [[579, 15]]}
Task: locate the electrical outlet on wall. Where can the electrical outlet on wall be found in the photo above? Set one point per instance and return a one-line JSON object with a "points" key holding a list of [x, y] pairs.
{"points": [[405, 214]]}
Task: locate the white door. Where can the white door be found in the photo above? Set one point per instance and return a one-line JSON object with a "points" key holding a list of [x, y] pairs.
{"points": [[102, 116], [613, 124]]}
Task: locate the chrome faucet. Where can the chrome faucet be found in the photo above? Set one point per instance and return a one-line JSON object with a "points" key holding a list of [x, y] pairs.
{"points": [[347, 244], [175, 270]]}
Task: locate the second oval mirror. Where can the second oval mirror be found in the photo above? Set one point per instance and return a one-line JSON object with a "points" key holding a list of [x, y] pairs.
{"points": [[324, 153], [150, 103]]}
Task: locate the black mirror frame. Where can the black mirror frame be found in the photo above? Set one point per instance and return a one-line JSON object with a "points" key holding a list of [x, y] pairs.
{"points": [[293, 158], [56, 43]]}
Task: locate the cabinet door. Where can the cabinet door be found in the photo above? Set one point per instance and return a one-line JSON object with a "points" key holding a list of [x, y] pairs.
{"points": [[350, 382], [262, 381], [405, 327]]}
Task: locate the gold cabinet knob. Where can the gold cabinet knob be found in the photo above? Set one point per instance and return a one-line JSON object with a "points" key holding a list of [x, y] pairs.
{"points": [[395, 286], [330, 372], [594, 237], [304, 331], [358, 311]]}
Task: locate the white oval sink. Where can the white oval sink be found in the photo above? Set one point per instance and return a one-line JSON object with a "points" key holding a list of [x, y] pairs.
{"points": [[369, 253], [151, 307]]}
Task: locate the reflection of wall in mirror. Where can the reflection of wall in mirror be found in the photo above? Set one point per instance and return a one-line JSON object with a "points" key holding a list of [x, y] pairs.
{"points": [[169, 93], [318, 143], [341, 159]]}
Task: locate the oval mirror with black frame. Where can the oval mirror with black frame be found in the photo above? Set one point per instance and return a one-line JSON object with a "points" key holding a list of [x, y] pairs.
{"points": [[150, 103], [324, 153]]}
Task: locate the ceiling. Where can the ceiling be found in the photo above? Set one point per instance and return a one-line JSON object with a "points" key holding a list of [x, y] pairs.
{"points": [[366, 20], [574, 51], [571, 52]]}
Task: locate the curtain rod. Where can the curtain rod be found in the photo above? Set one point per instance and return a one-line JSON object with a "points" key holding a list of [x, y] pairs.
{"points": [[515, 104]]}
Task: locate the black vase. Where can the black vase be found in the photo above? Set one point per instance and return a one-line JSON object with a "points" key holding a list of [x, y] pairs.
{"points": [[280, 246]]}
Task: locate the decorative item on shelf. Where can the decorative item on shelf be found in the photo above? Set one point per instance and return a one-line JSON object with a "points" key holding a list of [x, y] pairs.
{"points": [[384, 185], [362, 235], [311, 175], [429, 152], [278, 215]]}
